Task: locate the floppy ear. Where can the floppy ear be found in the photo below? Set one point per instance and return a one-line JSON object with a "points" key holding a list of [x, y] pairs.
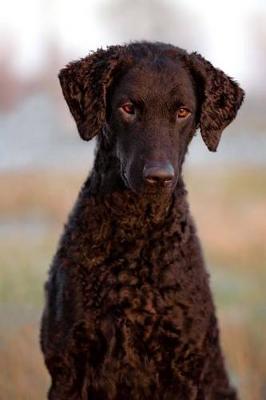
{"points": [[85, 83], [220, 98]]}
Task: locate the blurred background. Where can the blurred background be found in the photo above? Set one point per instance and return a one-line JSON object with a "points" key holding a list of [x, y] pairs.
{"points": [[43, 162]]}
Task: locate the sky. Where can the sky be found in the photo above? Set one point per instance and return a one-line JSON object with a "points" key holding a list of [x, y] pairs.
{"points": [[77, 27]]}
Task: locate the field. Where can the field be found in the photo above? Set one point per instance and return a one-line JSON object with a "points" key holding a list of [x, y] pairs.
{"points": [[33, 207]]}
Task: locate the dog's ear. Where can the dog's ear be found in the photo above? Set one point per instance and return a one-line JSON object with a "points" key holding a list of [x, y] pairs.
{"points": [[220, 98], [85, 83]]}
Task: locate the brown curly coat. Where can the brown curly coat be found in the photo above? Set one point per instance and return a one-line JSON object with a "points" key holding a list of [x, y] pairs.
{"points": [[129, 313]]}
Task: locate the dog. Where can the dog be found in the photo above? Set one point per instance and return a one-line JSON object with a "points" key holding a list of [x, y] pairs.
{"points": [[129, 313]]}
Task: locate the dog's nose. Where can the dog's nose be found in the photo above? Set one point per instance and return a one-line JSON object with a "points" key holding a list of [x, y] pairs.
{"points": [[158, 172]]}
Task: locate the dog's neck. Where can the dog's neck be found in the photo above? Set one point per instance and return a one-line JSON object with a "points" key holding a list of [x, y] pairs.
{"points": [[106, 175]]}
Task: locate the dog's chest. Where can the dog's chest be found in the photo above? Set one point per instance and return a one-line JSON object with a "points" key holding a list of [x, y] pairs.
{"points": [[146, 292], [138, 281]]}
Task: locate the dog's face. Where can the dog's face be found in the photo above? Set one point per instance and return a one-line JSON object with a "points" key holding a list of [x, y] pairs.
{"points": [[148, 99], [153, 110]]}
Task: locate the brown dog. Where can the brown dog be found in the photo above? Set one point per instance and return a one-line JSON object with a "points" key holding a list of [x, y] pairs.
{"points": [[129, 313]]}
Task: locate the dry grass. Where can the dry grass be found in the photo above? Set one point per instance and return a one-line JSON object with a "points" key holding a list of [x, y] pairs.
{"points": [[246, 354], [23, 376], [47, 194], [33, 207], [234, 204]]}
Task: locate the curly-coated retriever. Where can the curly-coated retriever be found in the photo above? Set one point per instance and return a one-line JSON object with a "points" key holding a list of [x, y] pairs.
{"points": [[129, 313]]}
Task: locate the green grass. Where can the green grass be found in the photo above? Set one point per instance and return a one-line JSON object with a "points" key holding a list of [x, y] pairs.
{"points": [[24, 262]]}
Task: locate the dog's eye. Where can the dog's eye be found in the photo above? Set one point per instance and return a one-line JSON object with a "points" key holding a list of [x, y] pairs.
{"points": [[128, 108], [183, 112]]}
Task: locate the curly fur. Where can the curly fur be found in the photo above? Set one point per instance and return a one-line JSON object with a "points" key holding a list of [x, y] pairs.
{"points": [[129, 313]]}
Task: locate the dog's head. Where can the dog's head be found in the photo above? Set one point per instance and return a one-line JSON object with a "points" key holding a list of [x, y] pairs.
{"points": [[150, 98]]}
